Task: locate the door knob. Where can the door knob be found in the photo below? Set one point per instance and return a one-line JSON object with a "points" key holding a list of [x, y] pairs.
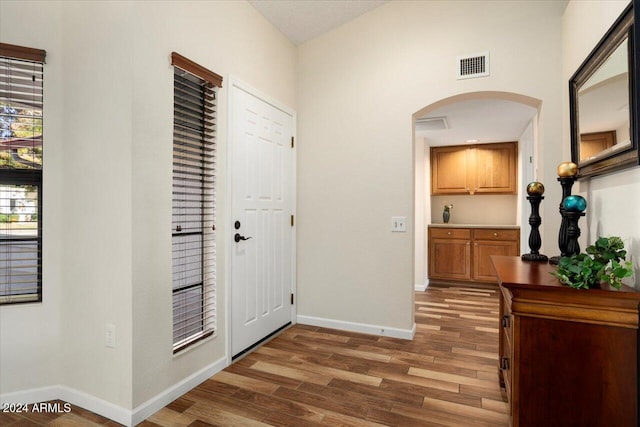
{"points": [[238, 237]]}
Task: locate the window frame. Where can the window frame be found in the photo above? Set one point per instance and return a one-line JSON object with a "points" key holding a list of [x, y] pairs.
{"points": [[207, 314], [27, 177]]}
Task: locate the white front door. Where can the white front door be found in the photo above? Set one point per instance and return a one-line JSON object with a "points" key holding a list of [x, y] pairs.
{"points": [[261, 191]]}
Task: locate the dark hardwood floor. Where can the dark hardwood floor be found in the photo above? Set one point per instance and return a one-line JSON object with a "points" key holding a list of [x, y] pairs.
{"points": [[310, 376]]}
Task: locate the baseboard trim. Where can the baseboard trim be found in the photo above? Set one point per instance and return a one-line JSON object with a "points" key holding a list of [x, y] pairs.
{"points": [[114, 412], [364, 328], [422, 287], [33, 395], [75, 397], [159, 401], [94, 404]]}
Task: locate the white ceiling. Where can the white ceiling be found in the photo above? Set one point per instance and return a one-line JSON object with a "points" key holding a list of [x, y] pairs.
{"points": [[485, 120], [302, 20]]}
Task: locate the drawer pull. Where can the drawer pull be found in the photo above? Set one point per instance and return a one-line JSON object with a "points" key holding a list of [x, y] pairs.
{"points": [[505, 321], [495, 234], [448, 233], [504, 363]]}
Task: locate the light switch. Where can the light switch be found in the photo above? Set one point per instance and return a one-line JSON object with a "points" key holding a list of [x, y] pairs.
{"points": [[110, 337], [399, 224]]}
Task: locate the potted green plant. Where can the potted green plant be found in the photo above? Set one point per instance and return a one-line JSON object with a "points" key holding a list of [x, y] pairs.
{"points": [[603, 262]]}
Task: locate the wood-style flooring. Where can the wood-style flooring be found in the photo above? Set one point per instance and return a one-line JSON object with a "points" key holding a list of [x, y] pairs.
{"points": [[310, 376]]}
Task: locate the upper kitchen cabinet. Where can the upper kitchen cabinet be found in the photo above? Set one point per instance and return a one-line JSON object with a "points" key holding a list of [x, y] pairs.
{"points": [[474, 169]]}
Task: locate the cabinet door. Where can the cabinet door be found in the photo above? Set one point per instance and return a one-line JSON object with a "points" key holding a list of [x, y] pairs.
{"points": [[483, 249], [496, 168], [593, 143], [449, 170], [450, 259]]}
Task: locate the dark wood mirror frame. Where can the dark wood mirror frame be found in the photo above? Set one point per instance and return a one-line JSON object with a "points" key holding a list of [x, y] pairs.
{"points": [[624, 27]]}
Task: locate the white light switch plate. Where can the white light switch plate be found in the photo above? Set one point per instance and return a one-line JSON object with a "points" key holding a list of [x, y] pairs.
{"points": [[110, 337], [399, 224]]}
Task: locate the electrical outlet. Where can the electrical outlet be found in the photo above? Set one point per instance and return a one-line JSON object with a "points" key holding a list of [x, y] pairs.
{"points": [[399, 224], [110, 336]]}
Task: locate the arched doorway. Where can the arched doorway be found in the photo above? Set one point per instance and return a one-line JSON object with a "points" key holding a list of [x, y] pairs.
{"points": [[468, 118]]}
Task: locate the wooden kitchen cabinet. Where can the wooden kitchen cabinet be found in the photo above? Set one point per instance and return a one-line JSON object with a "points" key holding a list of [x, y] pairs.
{"points": [[567, 357], [496, 168], [474, 169], [450, 172], [451, 249], [594, 143], [463, 254], [488, 242]]}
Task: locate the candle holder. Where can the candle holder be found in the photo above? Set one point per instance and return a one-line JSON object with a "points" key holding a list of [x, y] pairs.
{"points": [[567, 175], [535, 191], [573, 210], [573, 232]]}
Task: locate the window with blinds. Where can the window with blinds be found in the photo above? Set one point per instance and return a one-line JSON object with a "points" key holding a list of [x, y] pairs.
{"points": [[193, 212], [21, 92]]}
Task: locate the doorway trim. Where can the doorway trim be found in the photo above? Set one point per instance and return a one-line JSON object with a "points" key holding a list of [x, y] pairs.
{"points": [[228, 237]]}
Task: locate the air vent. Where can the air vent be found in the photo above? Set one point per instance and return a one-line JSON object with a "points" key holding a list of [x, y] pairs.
{"points": [[472, 66], [432, 123]]}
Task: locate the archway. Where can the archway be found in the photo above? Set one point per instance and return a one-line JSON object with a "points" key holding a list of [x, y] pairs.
{"points": [[527, 163]]}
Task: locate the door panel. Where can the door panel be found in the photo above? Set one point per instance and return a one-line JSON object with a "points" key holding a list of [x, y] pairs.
{"points": [[261, 180]]}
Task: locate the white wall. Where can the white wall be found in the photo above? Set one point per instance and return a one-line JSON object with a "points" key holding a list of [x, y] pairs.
{"points": [[484, 209], [107, 183], [358, 88], [30, 333], [613, 205]]}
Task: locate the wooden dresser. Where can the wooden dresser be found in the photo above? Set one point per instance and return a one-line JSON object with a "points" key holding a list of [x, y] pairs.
{"points": [[567, 357]]}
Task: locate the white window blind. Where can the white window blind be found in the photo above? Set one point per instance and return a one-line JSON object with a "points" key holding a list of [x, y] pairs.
{"points": [[21, 96], [193, 218]]}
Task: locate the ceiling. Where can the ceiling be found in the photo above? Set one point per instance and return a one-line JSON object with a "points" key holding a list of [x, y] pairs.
{"points": [[483, 120], [302, 20]]}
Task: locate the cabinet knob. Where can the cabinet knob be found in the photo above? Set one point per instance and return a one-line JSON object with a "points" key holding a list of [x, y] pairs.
{"points": [[495, 234], [505, 321], [504, 363], [448, 233]]}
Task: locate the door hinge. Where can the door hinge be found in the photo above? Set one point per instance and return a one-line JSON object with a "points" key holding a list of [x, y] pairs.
{"points": [[292, 221], [292, 142], [292, 299]]}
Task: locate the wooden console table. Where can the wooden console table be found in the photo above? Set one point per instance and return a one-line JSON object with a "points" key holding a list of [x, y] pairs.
{"points": [[568, 357]]}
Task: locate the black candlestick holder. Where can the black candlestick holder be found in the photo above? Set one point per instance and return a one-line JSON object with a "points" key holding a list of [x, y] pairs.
{"points": [[535, 191], [573, 232], [566, 182]]}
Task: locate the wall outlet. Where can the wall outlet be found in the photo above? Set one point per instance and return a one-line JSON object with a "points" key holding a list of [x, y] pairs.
{"points": [[399, 224], [110, 336]]}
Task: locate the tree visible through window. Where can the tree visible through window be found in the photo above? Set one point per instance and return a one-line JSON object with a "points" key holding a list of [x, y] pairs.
{"points": [[21, 92]]}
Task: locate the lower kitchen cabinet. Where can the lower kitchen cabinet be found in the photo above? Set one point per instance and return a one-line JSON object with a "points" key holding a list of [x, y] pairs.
{"points": [[453, 249], [463, 254], [487, 242]]}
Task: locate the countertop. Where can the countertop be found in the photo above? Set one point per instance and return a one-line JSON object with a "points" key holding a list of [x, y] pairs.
{"points": [[450, 225]]}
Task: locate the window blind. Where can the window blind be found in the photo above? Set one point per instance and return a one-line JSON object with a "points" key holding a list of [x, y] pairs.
{"points": [[21, 99], [193, 212]]}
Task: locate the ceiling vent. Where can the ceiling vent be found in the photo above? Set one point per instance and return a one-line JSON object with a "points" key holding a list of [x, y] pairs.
{"points": [[472, 66], [432, 123]]}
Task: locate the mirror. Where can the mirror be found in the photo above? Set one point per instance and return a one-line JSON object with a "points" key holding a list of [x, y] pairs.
{"points": [[603, 99]]}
